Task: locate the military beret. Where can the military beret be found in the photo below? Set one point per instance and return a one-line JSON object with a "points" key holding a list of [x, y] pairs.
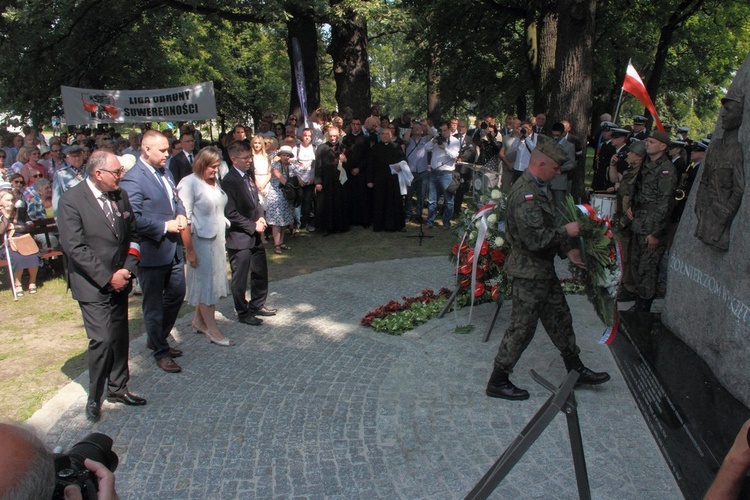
{"points": [[608, 125], [676, 144], [683, 130], [620, 132], [551, 149], [640, 119], [638, 147], [74, 149], [660, 136]]}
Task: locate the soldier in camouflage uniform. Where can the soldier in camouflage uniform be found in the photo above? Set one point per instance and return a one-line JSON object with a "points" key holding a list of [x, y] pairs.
{"points": [[537, 294], [653, 200]]}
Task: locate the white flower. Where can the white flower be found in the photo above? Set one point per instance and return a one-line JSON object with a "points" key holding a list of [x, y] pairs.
{"points": [[478, 224], [499, 241], [492, 219], [495, 194], [473, 236]]}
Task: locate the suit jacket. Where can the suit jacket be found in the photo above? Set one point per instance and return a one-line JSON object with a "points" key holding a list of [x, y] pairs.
{"points": [[95, 250], [152, 208], [242, 210], [180, 167], [560, 182]]}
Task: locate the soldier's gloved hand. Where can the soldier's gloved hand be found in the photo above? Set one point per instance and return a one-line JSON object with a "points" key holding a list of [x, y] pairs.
{"points": [[573, 229]]}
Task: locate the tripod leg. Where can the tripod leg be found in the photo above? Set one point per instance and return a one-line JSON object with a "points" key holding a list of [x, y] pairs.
{"points": [[494, 318], [449, 303], [576, 447]]}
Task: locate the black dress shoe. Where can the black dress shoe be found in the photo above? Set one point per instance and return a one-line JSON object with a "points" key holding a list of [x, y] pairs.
{"points": [[126, 399], [173, 352], [93, 411], [590, 377], [250, 320], [264, 311], [507, 390]]}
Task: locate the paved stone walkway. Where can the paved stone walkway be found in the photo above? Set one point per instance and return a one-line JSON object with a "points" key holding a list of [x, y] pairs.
{"points": [[313, 405]]}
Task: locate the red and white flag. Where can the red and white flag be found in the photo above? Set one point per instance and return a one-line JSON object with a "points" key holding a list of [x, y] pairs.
{"points": [[634, 85]]}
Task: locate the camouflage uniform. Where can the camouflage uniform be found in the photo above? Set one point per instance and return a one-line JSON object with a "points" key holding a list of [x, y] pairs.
{"points": [[652, 202], [537, 294], [624, 233]]}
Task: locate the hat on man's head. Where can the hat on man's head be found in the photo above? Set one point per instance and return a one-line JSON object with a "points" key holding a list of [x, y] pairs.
{"points": [[550, 148], [285, 150], [701, 145], [683, 130], [74, 149], [620, 132], [661, 136], [677, 144], [667, 126], [640, 119], [638, 147], [608, 125], [733, 95]]}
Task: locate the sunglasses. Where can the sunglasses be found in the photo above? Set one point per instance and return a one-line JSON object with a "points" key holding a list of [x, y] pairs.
{"points": [[37, 176], [19, 182]]}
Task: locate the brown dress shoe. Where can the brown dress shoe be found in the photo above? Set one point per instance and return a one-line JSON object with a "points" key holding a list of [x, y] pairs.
{"points": [[168, 365]]}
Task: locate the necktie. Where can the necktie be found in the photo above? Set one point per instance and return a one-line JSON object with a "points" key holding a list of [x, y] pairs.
{"points": [[250, 183], [107, 207], [190, 158]]}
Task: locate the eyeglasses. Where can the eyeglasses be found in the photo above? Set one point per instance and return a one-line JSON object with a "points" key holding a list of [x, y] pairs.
{"points": [[243, 158], [115, 173], [37, 176], [19, 181]]}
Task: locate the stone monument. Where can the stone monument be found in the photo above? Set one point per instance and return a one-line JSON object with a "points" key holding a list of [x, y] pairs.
{"points": [[708, 291]]}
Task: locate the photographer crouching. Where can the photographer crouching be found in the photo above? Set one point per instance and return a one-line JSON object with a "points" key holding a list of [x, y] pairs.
{"points": [[29, 472]]}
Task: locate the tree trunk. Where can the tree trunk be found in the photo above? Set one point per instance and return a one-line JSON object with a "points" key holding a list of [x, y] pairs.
{"points": [[304, 30], [351, 65], [541, 43], [434, 110], [574, 62]]}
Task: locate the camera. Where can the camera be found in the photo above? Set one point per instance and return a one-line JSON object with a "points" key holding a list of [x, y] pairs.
{"points": [[524, 132], [70, 470], [439, 139], [622, 155]]}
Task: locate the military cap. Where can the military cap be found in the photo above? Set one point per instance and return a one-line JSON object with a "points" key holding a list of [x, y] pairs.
{"points": [[676, 144], [638, 147], [683, 130], [660, 136], [701, 145], [640, 119], [551, 149], [667, 126], [620, 132], [733, 95], [608, 125], [74, 149]]}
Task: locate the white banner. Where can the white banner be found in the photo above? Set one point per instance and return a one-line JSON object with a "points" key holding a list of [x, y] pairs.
{"points": [[92, 106]]}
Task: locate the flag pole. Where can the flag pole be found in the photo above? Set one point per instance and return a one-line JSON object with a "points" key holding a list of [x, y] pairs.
{"points": [[619, 101]]}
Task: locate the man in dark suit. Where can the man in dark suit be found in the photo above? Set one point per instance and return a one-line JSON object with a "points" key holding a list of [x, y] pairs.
{"points": [[247, 255], [159, 217], [182, 163], [101, 242]]}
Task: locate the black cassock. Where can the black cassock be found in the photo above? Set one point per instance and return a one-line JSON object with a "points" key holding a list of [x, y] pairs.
{"points": [[387, 202], [331, 212]]}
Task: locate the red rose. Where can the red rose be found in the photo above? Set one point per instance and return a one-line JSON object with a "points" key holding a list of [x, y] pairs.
{"points": [[465, 269], [454, 249], [479, 290], [470, 256], [464, 282]]}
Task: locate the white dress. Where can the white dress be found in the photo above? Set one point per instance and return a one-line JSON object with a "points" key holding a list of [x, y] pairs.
{"points": [[262, 168], [207, 283]]}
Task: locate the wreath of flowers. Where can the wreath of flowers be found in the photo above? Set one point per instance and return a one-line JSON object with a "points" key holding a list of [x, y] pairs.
{"points": [[601, 253], [396, 317]]}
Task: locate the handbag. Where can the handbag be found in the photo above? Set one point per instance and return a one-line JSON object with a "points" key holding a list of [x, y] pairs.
{"points": [[24, 245], [290, 191], [455, 183]]}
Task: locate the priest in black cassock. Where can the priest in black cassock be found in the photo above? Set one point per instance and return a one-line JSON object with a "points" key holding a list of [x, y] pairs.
{"points": [[387, 202]]}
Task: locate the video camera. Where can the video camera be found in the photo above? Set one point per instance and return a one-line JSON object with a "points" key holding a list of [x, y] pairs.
{"points": [[70, 470]]}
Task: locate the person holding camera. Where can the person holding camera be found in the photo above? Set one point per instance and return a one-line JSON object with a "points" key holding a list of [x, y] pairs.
{"points": [[520, 150], [445, 149]]}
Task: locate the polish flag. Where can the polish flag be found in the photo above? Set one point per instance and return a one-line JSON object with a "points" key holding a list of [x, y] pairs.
{"points": [[634, 85]]}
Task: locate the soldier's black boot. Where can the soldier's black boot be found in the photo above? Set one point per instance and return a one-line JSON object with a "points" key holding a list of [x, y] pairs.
{"points": [[500, 386], [586, 376]]}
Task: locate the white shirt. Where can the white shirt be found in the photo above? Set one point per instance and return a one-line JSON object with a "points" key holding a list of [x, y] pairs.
{"points": [[523, 152], [443, 160]]}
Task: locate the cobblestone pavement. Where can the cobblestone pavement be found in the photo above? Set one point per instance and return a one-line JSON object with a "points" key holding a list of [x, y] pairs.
{"points": [[313, 405]]}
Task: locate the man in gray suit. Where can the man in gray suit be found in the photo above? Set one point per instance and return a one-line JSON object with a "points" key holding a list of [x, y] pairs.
{"points": [[559, 184]]}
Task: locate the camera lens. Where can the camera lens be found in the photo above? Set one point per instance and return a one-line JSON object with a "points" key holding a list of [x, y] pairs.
{"points": [[97, 447]]}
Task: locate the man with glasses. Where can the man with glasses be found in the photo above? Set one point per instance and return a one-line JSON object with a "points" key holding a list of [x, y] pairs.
{"points": [[71, 175], [99, 237], [56, 160]]}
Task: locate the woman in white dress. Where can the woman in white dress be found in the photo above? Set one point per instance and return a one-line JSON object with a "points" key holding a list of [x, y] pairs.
{"points": [[204, 239], [261, 166]]}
